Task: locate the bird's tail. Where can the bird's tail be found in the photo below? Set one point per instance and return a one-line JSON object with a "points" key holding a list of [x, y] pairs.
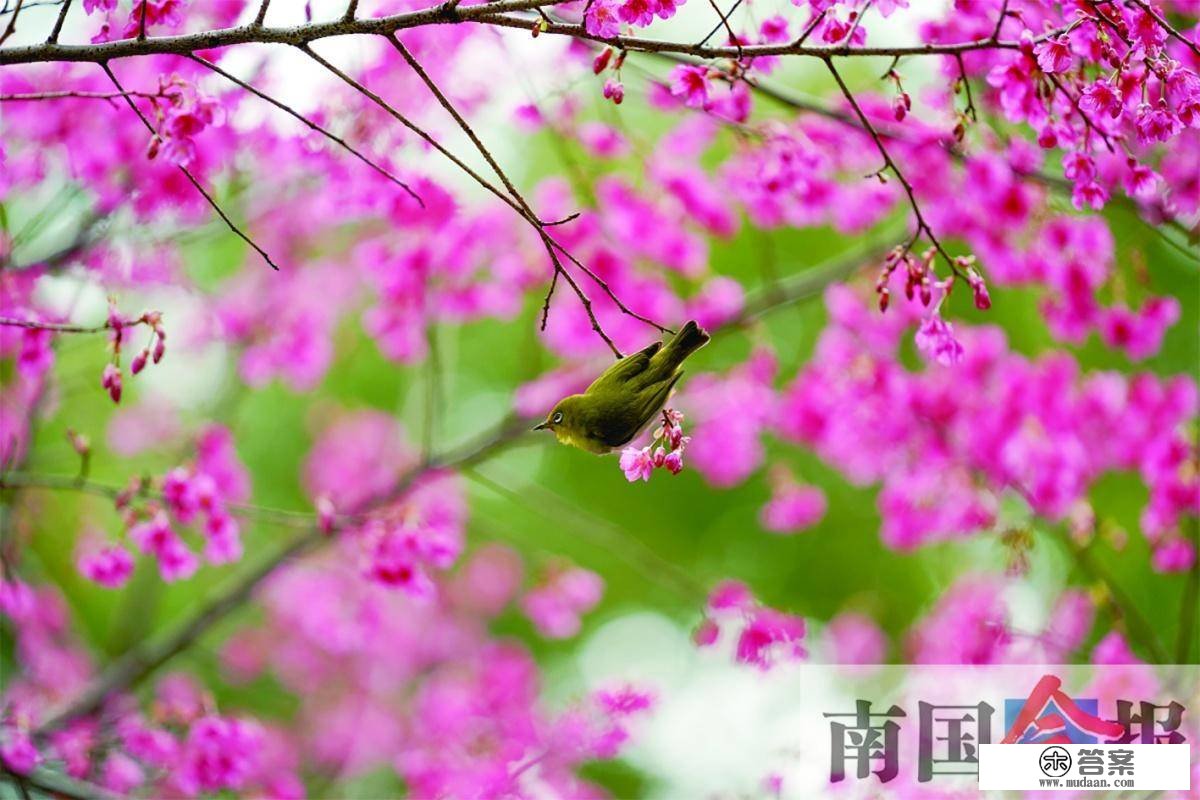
{"points": [[690, 338]]}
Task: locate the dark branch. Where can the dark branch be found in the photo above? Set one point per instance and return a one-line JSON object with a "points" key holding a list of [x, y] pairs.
{"points": [[58, 24], [311, 125], [188, 173]]}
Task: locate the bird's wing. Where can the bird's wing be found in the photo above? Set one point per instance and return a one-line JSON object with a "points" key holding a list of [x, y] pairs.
{"points": [[618, 426], [627, 368]]}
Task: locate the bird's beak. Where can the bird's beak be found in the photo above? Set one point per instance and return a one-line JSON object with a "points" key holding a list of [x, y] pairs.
{"points": [[541, 426]]}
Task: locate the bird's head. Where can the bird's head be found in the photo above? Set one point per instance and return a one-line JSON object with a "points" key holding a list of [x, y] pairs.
{"points": [[563, 419]]}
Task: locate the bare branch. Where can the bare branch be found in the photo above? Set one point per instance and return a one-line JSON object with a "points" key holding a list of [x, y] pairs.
{"points": [[922, 225], [262, 13], [551, 246], [724, 23], [256, 32], [310, 124], [12, 22], [72, 95], [58, 24], [191, 178], [351, 10], [1000, 20]]}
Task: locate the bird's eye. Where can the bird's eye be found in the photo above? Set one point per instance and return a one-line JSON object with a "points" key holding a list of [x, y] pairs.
{"points": [[557, 418]]}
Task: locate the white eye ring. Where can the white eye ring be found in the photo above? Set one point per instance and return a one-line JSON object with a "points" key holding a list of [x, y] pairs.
{"points": [[557, 418]]}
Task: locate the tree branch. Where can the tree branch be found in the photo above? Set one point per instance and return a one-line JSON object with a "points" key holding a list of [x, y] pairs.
{"points": [[310, 124], [12, 22], [255, 32], [188, 173], [922, 225], [58, 24]]}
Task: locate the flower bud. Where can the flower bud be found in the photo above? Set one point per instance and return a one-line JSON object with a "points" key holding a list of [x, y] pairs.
{"points": [[325, 515], [110, 379], [139, 362], [601, 61]]}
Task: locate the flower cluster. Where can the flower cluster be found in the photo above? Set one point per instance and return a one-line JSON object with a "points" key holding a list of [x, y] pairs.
{"points": [[184, 115], [201, 493], [557, 603], [765, 636], [152, 352], [665, 451]]}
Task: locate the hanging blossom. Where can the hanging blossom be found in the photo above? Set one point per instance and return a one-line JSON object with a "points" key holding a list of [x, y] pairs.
{"points": [[664, 451]]}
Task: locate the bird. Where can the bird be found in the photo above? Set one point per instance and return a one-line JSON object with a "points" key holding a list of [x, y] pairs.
{"points": [[619, 404]]}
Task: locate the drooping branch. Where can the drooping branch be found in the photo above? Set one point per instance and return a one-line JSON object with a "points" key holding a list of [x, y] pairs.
{"points": [[522, 209], [922, 226], [310, 124], [58, 23], [188, 173], [12, 22], [552, 247]]}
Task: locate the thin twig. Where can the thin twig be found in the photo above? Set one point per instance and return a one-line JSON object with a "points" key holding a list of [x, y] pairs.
{"points": [[262, 13], [724, 17], [922, 225], [147, 657], [639, 44], [1083, 114], [1000, 20], [58, 24], [12, 22], [20, 97], [311, 125], [812, 26], [524, 207], [351, 10], [962, 72], [723, 23], [191, 178], [72, 483]]}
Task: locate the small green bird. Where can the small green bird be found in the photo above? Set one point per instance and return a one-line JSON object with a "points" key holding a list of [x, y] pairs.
{"points": [[622, 401]]}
